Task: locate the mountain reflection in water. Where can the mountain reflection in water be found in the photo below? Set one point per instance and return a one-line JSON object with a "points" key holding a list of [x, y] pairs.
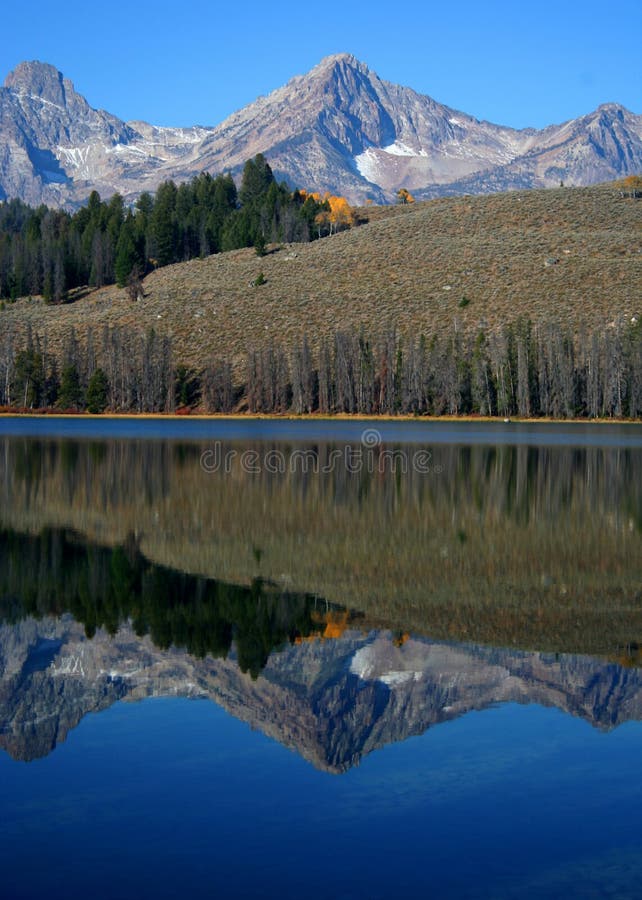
{"points": [[331, 700], [337, 611]]}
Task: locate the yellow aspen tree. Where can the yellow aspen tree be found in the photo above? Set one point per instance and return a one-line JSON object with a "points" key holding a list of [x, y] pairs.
{"points": [[404, 196]]}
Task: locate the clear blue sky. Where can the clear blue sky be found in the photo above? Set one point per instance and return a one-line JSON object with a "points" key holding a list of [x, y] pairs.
{"points": [[196, 62]]}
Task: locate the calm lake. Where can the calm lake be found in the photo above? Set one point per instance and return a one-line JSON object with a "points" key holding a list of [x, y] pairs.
{"points": [[342, 659]]}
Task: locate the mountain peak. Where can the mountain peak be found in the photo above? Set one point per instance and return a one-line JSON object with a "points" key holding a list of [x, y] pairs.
{"points": [[39, 79], [612, 108], [338, 57], [340, 60], [337, 128]]}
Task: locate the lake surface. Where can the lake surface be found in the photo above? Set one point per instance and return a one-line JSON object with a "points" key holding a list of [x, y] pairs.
{"points": [[332, 659]]}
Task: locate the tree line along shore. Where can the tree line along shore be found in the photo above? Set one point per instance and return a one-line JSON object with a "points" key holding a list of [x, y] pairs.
{"points": [[522, 370]]}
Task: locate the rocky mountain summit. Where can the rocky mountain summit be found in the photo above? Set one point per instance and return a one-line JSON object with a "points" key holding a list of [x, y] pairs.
{"points": [[56, 149], [339, 128], [331, 701]]}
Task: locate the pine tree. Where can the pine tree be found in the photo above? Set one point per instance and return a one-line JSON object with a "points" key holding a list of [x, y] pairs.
{"points": [[163, 224], [97, 392], [257, 178], [71, 394], [127, 255]]}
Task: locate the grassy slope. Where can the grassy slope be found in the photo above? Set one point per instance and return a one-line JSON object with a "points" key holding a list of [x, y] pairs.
{"points": [[409, 265]]}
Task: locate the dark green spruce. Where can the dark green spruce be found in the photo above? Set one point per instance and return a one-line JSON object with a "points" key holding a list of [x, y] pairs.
{"points": [[51, 252]]}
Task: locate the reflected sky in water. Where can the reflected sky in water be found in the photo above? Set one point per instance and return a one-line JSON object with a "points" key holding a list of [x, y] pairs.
{"points": [[418, 431], [175, 797]]}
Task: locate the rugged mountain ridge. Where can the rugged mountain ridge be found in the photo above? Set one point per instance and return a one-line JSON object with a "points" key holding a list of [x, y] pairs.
{"points": [[338, 128], [331, 701], [597, 147], [55, 148]]}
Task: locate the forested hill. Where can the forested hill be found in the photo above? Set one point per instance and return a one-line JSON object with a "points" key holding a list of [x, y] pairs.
{"points": [[525, 302], [50, 252]]}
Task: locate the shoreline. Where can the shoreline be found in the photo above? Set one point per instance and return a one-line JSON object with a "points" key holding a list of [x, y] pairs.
{"points": [[312, 417]]}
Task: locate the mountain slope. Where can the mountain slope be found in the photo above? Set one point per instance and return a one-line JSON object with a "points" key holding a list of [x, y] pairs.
{"points": [[343, 127], [603, 145], [338, 128]]}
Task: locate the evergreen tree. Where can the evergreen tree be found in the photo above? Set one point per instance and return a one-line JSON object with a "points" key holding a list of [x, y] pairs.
{"points": [[51, 387], [71, 394], [164, 225], [257, 178], [28, 385], [238, 231], [97, 392], [127, 255]]}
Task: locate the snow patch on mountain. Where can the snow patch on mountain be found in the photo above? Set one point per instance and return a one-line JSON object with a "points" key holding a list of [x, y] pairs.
{"points": [[74, 156], [368, 165], [401, 149], [382, 661], [372, 163]]}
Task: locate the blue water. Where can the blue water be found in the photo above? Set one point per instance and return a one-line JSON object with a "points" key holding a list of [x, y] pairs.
{"points": [[169, 798], [420, 431]]}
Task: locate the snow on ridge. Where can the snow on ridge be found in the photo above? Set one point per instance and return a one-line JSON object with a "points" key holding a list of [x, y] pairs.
{"points": [[401, 149], [127, 148], [368, 665], [368, 165], [393, 678], [190, 135], [74, 156], [370, 161], [37, 99]]}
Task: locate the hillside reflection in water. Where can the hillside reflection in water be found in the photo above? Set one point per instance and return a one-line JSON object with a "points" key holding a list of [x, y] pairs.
{"points": [[530, 546], [339, 613]]}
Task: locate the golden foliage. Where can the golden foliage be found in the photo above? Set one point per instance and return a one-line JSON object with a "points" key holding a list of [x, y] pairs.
{"points": [[632, 185], [404, 196], [338, 214], [400, 638], [313, 195], [336, 621], [336, 624]]}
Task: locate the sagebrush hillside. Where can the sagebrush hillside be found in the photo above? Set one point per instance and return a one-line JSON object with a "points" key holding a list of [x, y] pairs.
{"points": [[569, 255]]}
